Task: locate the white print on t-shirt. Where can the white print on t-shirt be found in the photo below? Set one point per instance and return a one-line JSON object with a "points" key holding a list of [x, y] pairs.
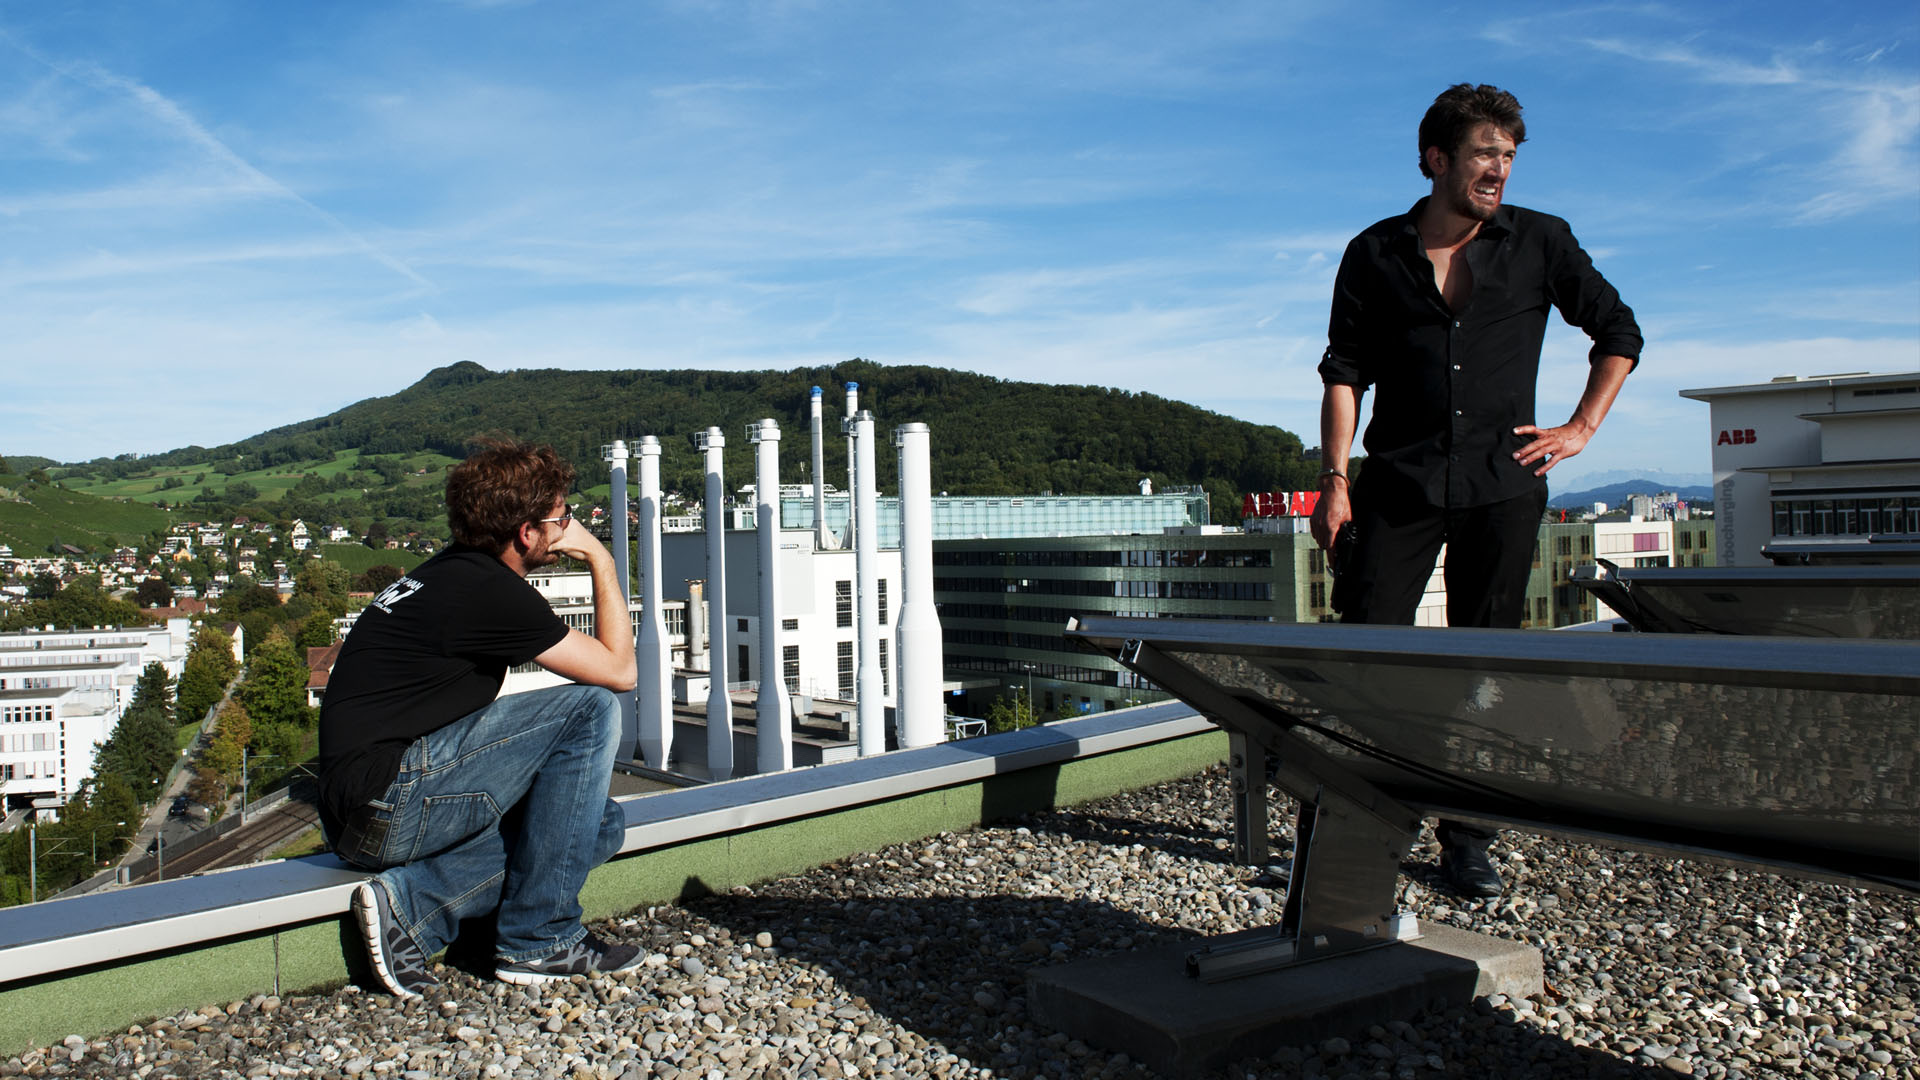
{"points": [[396, 592]]}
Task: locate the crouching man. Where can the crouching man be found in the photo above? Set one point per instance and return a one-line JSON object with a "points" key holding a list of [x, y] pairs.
{"points": [[462, 803]]}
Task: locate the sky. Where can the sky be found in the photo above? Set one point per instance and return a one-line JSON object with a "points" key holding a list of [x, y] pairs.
{"points": [[221, 217]]}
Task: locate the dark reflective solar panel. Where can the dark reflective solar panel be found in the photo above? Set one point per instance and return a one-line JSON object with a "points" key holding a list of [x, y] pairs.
{"points": [[1795, 753], [1804, 601]]}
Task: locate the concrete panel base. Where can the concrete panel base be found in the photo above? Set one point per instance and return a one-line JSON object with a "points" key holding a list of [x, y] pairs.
{"points": [[1144, 1005]]}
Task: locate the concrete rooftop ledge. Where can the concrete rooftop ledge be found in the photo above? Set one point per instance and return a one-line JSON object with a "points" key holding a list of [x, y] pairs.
{"points": [[94, 962]]}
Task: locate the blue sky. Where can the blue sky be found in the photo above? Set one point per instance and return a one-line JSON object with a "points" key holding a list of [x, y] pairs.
{"points": [[216, 218]]}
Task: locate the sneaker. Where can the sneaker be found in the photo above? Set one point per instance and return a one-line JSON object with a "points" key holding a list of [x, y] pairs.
{"points": [[399, 963], [588, 956], [1470, 870]]}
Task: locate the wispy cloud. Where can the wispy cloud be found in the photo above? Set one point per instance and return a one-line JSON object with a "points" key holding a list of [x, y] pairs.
{"points": [[245, 179]]}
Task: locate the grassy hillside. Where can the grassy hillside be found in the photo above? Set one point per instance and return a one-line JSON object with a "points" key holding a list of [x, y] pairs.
{"points": [[36, 517], [990, 436], [181, 482]]}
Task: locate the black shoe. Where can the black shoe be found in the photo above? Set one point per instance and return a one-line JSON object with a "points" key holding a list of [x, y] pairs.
{"points": [[1470, 871], [397, 960], [588, 956]]}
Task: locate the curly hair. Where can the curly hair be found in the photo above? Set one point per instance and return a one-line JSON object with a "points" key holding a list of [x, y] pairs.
{"points": [[1459, 109], [500, 487]]}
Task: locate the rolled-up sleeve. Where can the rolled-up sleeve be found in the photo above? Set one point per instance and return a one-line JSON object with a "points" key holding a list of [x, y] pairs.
{"points": [[1350, 348], [1587, 300]]}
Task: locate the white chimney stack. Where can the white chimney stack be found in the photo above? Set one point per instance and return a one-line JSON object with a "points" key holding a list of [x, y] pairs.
{"points": [[651, 652], [853, 410], [773, 718], [866, 571], [918, 648], [719, 702], [615, 454], [819, 477]]}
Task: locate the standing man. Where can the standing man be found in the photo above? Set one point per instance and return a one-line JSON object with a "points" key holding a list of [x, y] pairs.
{"points": [[466, 804], [1443, 310]]}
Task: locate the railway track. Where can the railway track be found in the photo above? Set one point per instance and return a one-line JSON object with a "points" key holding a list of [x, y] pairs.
{"points": [[260, 838]]}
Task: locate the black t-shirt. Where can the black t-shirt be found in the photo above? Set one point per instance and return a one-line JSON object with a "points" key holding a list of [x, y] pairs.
{"points": [[430, 649]]}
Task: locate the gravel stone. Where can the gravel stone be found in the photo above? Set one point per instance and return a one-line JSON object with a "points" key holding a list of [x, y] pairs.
{"points": [[911, 961]]}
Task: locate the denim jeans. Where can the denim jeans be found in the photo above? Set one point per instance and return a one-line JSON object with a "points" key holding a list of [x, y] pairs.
{"points": [[505, 808]]}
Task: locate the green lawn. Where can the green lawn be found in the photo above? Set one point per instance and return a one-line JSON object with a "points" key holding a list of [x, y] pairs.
{"points": [[359, 557]]}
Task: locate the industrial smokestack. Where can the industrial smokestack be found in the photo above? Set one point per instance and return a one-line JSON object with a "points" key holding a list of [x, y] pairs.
{"points": [[819, 478], [719, 702], [696, 625], [917, 703], [650, 650], [773, 716], [853, 410], [615, 455], [871, 709]]}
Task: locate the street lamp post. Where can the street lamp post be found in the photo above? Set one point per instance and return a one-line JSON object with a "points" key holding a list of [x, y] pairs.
{"points": [[243, 782], [1029, 668], [93, 840]]}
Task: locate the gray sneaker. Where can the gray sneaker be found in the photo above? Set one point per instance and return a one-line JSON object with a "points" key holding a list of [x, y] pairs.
{"points": [[588, 956], [399, 963]]}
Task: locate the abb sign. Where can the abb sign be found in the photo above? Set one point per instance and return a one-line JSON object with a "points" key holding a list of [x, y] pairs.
{"points": [[1279, 504], [1737, 437]]}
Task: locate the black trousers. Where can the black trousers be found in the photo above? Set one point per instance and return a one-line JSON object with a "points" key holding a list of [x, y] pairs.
{"points": [[1489, 557]]}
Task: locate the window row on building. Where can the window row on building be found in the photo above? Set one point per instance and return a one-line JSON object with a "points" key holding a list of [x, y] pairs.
{"points": [[1847, 517], [1253, 591], [1178, 557], [1017, 669], [26, 714], [29, 742]]}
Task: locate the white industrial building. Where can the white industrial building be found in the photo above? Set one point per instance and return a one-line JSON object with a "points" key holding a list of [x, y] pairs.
{"points": [[61, 695], [1822, 468]]}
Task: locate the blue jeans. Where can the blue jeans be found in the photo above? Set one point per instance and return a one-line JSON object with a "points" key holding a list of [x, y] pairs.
{"points": [[504, 809]]}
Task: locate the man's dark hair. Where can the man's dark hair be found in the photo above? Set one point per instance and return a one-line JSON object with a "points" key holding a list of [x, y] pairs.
{"points": [[1461, 108], [501, 487]]}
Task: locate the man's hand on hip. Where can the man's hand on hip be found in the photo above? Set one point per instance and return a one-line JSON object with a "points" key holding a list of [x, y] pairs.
{"points": [[1551, 446]]}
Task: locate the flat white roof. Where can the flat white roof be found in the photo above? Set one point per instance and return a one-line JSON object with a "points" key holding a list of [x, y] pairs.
{"points": [[1802, 382]]}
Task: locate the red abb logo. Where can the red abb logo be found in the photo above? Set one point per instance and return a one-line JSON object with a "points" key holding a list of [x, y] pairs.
{"points": [[1737, 437]]}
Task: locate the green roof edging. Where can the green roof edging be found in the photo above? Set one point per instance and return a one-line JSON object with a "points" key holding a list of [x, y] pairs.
{"points": [[315, 957]]}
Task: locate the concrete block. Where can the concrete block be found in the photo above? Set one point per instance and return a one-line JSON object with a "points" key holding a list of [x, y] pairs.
{"points": [[1143, 1004]]}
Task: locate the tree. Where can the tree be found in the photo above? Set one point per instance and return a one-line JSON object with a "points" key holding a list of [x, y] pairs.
{"points": [[325, 583], [1009, 714], [246, 597], [377, 534], [209, 668], [275, 689], [140, 750], [43, 586], [376, 578], [154, 690], [153, 592], [218, 766], [79, 604], [316, 632]]}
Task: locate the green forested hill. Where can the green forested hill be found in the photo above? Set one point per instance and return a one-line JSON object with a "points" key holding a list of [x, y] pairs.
{"points": [[990, 436]]}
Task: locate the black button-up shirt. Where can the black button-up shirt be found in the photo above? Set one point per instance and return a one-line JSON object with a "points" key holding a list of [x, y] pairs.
{"points": [[1452, 385]]}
